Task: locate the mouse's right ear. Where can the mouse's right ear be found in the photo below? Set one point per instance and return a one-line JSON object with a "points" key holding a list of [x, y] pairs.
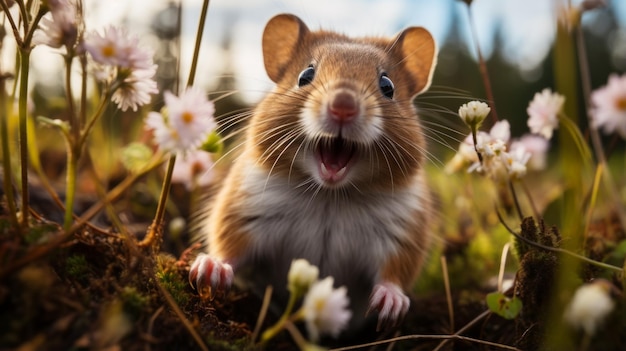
{"points": [[280, 41]]}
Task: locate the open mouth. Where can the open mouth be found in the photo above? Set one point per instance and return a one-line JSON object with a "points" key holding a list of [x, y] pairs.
{"points": [[335, 157]]}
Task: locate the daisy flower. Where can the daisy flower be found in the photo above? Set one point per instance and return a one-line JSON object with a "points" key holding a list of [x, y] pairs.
{"points": [[609, 106], [135, 90], [60, 28], [193, 169], [325, 309], [186, 122], [115, 47], [590, 306], [543, 112]]}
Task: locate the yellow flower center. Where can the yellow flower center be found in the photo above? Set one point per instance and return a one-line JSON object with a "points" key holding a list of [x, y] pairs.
{"points": [[108, 51], [187, 117], [620, 104]]}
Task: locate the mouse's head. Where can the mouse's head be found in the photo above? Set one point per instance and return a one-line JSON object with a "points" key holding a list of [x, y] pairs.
{"points": [[342, 111]]}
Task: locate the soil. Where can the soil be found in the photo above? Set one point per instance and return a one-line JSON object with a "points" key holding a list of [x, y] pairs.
{"points": [[98, 290]]}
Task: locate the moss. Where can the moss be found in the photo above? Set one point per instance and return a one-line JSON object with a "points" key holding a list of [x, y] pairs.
{"points": [[170, 279], [77, 267], [134, 301]]}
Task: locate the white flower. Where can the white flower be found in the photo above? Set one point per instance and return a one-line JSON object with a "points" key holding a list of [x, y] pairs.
{"points": [[515, 162], [193, 169], [494, 143], [473, 113], [325, 309], [118, 49], [301, 276], [543, 112], [537, 146], [187, 124], [60, 29], [135, 89], [609, 101], [590, 306]]}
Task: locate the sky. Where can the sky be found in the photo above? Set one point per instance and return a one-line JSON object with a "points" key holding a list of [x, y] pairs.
{"points": [[528, 27]]}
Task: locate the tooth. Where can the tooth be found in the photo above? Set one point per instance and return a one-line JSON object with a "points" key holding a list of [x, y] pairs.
{"points": [[324, 170], [341, 172]]}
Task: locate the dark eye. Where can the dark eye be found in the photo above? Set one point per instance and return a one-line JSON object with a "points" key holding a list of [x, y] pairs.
{"points": [[306, 76], [386, 86]]}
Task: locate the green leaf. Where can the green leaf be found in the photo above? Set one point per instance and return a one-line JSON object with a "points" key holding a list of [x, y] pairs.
{"points": [[503, 306]]}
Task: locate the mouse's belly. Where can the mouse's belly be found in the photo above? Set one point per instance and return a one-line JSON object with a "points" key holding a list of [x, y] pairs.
{"points": [[347, 236]]}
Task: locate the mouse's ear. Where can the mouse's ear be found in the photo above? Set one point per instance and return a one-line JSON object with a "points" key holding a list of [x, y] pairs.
{"points": [[417, 51], [280, 40]]}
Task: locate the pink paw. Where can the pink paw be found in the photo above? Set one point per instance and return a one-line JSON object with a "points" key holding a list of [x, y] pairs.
{"points": [[390, 302], [210, 276]]}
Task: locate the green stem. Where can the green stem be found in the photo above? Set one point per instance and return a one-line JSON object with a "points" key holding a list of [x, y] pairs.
{"points": [[155, 229], [99, 112], [6, 157], [22, 106], [280, 325], [74, 122], [196, 50], [70, 191]]}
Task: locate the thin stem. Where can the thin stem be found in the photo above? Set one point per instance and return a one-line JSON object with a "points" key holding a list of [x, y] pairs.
{"points": [[99, 112], [70, 191], [280, 325], [475, 140], [446, 283], [74, 123], [22, 106], [196, 50], [155, 228], [593, 132], [6, 156], [483, 66], [16, 31], [518, 208], [83, 91]]}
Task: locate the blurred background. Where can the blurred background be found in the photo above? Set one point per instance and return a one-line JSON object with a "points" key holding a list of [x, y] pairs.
{"points": [[516, 38]]}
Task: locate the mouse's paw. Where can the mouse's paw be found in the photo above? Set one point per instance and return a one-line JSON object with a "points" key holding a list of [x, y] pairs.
{"points": [[210, 276], [391, 303]]}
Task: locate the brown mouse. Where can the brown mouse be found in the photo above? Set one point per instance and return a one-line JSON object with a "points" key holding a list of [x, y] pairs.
{"points": [[332, 171]]}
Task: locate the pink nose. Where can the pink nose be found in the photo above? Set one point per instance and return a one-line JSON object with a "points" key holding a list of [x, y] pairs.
{"points": [[343, 107]]}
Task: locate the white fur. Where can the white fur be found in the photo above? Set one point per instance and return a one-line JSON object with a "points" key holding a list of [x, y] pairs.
{"points": [[347, 236]]}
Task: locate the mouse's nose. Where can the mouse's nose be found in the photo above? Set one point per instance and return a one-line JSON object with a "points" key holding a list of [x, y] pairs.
{"points": [[343, 107]]}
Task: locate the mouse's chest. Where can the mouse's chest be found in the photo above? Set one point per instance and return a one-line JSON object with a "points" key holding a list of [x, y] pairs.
{"points": [[333, 230]]}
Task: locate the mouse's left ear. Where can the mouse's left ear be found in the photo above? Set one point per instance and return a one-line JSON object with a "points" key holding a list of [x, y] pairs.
{"points": [[417, 51], [282, 35]]}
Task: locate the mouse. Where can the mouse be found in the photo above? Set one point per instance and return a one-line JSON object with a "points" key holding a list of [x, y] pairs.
{"points": [[331, 170]]}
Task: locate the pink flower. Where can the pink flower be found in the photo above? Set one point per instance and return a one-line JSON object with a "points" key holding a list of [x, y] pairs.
{"points": [[609, 106], [193, 169], [536, 146], [543, 112]]}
